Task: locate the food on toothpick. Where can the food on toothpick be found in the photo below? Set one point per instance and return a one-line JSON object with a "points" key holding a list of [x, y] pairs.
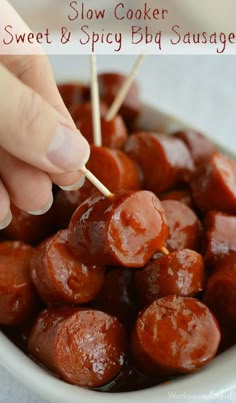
{"points": [[126, 229]]}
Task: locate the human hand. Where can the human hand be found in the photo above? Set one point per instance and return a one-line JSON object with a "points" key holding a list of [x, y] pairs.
{"points": [[39, 143]]}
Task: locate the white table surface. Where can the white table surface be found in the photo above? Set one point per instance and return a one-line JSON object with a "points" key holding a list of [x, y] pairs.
{"points": [[201, 90]]}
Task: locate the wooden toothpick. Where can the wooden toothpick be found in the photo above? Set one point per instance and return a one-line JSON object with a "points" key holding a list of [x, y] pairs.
{"points": [[119, 99], [96, 182], [164, 250], [97, 135]]}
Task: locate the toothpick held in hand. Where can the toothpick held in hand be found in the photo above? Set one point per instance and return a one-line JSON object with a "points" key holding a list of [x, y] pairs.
{"points": [[164, 250], [97, 135], [124, 90], [96, 182]]}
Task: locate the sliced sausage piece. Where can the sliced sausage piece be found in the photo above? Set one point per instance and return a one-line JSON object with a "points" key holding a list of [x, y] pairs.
{"points": [[174, 335], [117, 296], [182, 196], [29, 228], [124, 230], [74, 93], [220, 240], [200, 147], [214, 185], [220, 291], [185, 229], [114, 133], [165, 161], [109, 85], [114, 169], [17, 295], [85, 347], [180, 272], [60, 278]]}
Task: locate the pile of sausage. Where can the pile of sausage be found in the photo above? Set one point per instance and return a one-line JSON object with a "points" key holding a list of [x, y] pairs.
{"points": [[125, 292]]}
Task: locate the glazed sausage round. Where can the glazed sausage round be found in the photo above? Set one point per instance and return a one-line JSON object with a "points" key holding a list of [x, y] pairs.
{"points": [[125, 229], [180, 272], [60, 278], [185, 229], [165, 161], [85, 347], [220, 292], [114, 132], [174, 335], [200, 147], [219, 238], [17, 295], [213, 186], [114, 169]]}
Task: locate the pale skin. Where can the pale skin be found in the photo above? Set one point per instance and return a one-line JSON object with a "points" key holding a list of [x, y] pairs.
{"points": [[39, 143]]}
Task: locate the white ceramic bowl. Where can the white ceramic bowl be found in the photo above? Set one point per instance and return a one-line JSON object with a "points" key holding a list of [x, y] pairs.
{"points": [[214, 383]]}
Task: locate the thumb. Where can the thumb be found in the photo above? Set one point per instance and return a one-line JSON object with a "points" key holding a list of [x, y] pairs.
{"points": [[33, 131]]}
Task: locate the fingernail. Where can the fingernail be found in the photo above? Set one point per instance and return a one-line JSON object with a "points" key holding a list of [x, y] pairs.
{"points": [[69, 150], [76, 185], [6, 221], [44, 209]]}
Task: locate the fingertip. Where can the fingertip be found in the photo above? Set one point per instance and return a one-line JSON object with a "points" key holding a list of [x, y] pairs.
{"points": [[74, 186], [68, 150], [44, 209], [6, 221]]}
